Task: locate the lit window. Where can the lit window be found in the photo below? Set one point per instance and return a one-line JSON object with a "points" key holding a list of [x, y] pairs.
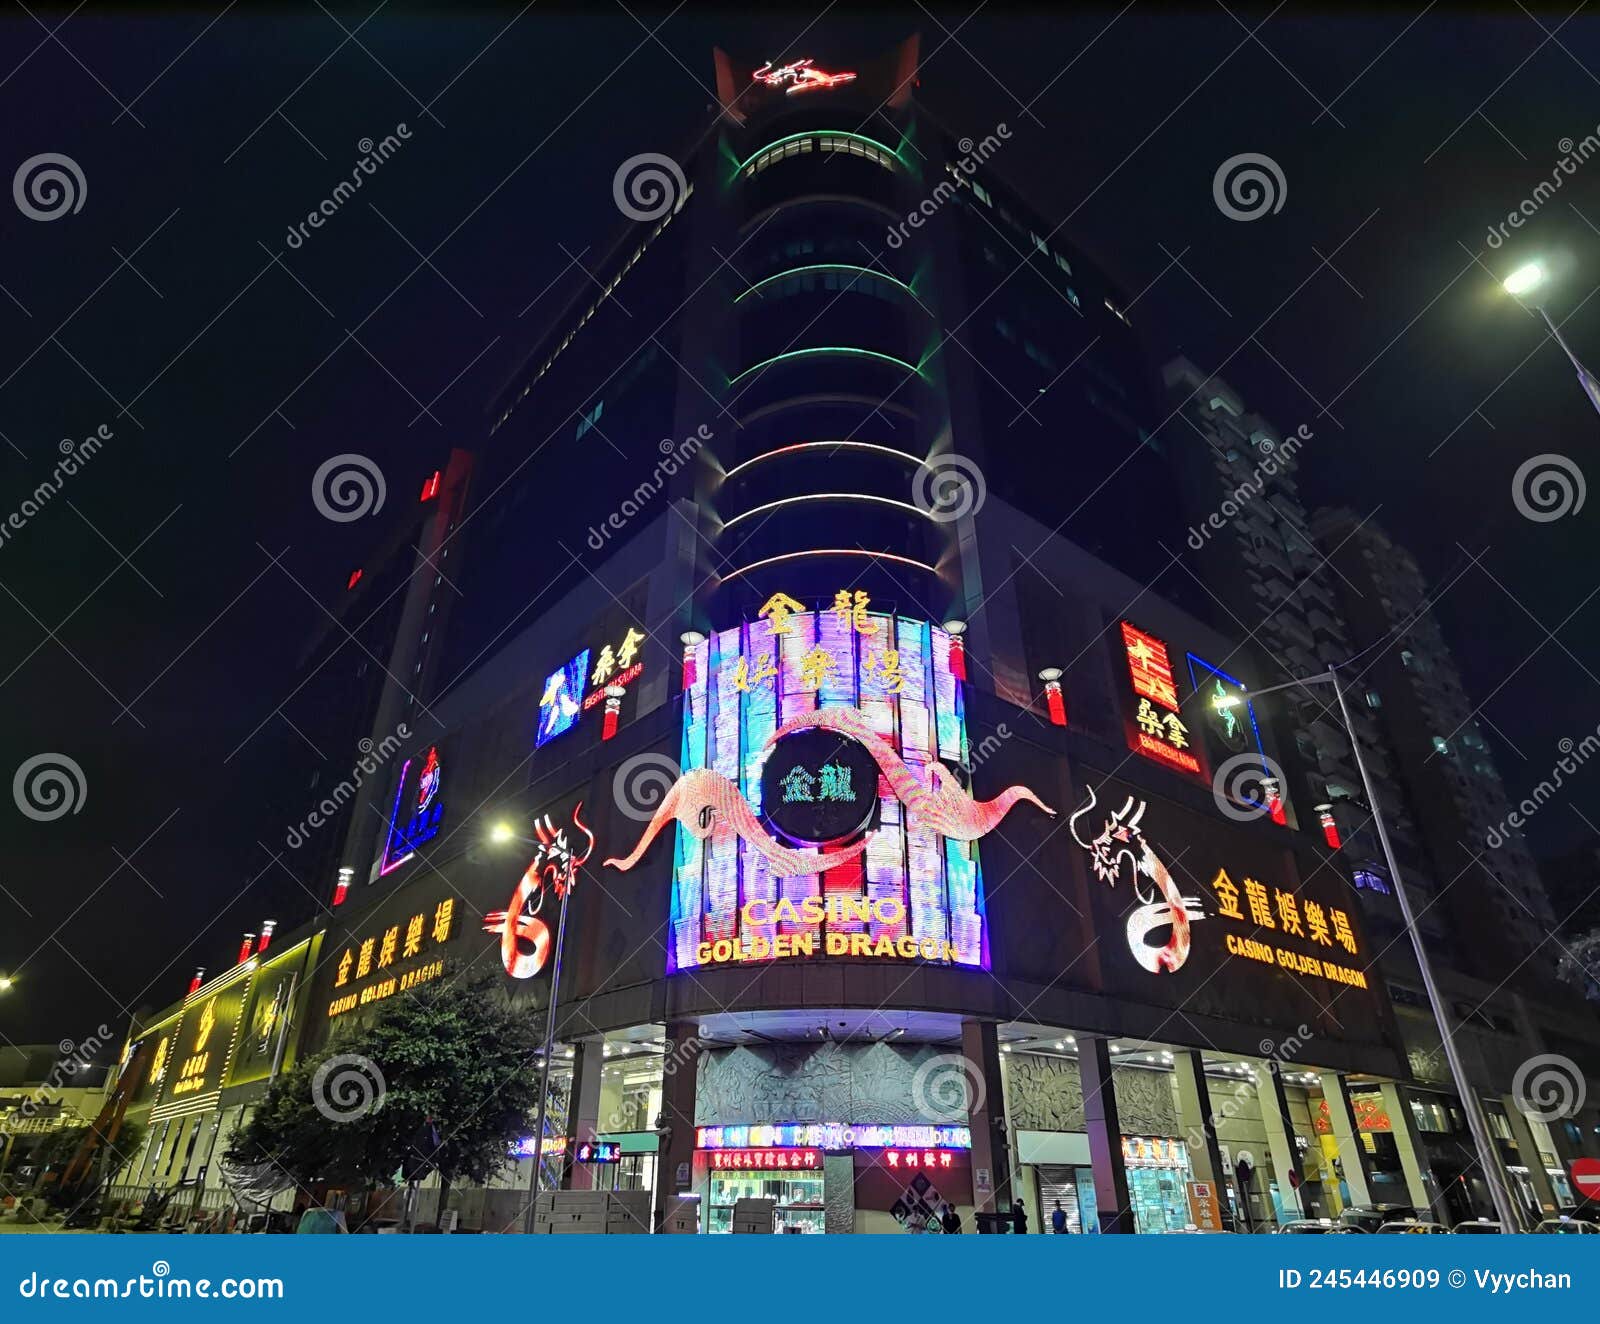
{"points": [[1373, 701], [1441, 744], [1063, 264], [982, 193]]}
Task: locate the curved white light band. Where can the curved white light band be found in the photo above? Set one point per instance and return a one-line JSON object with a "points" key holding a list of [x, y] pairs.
{"points": [[826, 496], [832, 551], [828, 266], [831, 445]]}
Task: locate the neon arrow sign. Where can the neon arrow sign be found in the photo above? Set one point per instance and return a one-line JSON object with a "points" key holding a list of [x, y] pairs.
{"points": [[800, 77]]}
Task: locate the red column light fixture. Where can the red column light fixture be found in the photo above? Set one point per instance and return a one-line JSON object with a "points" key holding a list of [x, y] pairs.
{"points": [[608, 727], [1330, 826], [691, 640], [430, 488], [1053, 697], [341, 889], [1275, 806], [958, 648], [246, 947], [199, 978], [267, 927]]}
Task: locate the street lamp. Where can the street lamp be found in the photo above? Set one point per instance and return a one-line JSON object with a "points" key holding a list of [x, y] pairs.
{"points": [[5, 983], [502, 833], [1527, 284], [1488, 1156]]}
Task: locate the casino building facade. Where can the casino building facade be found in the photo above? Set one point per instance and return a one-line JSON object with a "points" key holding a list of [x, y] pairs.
{"points": [[920, 850]]}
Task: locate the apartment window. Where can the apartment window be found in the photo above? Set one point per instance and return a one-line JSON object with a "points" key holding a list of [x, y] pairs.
{"points": [[1373, 701], [1007, 332], [983, 195], [1039, 243], [1072, 298], [830, 142], [589, 419], [1441, 745], [1063, 263]]}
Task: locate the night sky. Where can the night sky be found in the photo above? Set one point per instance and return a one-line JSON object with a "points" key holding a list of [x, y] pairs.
{"points": [[154, 608]]}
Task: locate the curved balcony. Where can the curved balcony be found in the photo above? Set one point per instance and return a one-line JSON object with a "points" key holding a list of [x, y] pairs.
{"points": [[821, 164]]}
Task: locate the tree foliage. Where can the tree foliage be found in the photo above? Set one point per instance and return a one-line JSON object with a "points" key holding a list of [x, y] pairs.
{"points": [[443, 1080]]}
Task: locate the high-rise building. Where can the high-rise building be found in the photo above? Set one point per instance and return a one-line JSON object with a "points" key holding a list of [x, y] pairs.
{"points": [[1486, 877]]}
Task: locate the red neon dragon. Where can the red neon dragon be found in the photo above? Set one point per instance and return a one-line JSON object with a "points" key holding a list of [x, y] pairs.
{"points": [[800, 76], [524, 937], [1120, 846]]}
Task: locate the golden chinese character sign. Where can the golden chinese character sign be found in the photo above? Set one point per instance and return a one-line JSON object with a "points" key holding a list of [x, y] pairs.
{"points": [[201, 1045], [396, 953], [1220, 907], [818, 812]]}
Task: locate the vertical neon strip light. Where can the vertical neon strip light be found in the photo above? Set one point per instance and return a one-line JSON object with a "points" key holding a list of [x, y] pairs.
{"points": [[925, 884], [688, 891], [394, 819]]}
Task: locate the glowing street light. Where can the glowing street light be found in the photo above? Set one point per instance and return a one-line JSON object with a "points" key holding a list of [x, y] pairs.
{"points": [[5, 983], [502, 832], [1527, 284], [1525, 279]]}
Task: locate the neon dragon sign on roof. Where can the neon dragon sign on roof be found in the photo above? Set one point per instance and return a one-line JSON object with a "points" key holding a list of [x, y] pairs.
{"points": [[799, 77], [913, 874]]}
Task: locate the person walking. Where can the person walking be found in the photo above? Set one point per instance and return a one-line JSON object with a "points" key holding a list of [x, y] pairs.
{"points": [[1019, 1218]]}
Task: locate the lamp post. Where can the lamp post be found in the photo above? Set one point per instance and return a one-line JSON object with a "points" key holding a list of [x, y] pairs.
{"points": [[1488, 1157], [1529, 280], [502, 833]]}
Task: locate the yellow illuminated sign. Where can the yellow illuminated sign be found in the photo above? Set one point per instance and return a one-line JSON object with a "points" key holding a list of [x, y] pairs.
{"points": [[760, 914], [374, 954], [1292, 916]]}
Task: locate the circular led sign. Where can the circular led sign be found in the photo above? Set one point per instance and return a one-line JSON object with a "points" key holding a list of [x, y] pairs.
{"points": [[819, 788]]}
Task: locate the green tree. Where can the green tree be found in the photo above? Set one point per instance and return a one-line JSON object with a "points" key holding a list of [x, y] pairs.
{"points": [[443, 1080]]}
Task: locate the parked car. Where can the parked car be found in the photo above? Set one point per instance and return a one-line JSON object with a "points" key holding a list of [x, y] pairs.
{"points": [[1319, 1227], [1476, 1227], [1566, 1225], [1370, 1217], [1414, 1226]]}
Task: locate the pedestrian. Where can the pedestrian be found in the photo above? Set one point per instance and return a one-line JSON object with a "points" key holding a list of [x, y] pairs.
{"points": [[949, 1220], [1019, 1218], [1058, 1219]]}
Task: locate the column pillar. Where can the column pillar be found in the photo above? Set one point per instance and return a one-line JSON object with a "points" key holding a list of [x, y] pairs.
{"points": [[1280, 1136], [1421, 1189], [980, 1045], [1200, 1128], [583, 1114], [1104, 1129], [1528, 1151], [1352, 1153], [675, 1149]]}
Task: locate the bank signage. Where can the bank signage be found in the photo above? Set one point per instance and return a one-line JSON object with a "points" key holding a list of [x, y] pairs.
{"points": [[820, 812]]}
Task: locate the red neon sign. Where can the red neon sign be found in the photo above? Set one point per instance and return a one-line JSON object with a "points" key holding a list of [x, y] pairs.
{"points": [[430, 488], [926, 1159], [766, 1160], [799, 77], [1161, 733]]}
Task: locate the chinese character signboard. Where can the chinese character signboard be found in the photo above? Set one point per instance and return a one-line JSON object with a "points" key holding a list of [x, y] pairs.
{"points": [[1158, 730], [391, 956], [1221, 912], [818, 813], [201, 1045], [562, 699]]}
